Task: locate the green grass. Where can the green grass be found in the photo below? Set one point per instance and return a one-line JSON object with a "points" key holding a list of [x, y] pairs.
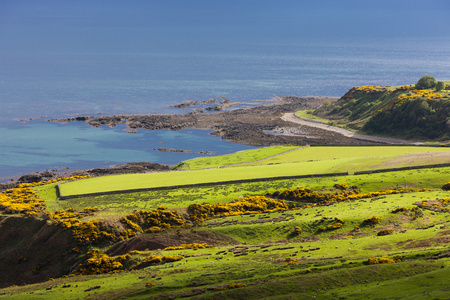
{"points": [[341, 159], [337, 267], [234, 158], [311, 160], [121, 204], [431, 285]]}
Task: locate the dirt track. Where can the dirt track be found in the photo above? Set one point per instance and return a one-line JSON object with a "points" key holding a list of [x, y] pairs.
{"points": [[291, 117]]}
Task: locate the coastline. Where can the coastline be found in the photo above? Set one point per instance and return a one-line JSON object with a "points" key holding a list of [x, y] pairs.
{"points": [[248, 126], [260, 126]]}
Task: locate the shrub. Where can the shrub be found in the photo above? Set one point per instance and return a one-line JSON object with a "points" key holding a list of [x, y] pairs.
{"points": [[371, 221], [440, 85], [383, 260], [416, 212], [385, 232], [446, 187], [290, 261], [97, 263], [400, 209], [426, 82], [341, 186], [336, 223]]}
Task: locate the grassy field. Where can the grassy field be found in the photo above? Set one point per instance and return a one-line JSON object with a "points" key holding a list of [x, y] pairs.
{"points": [[277, 264], [234, 158], [310, 160], [183, 197]]}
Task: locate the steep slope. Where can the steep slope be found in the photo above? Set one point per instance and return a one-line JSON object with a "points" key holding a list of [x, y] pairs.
{"points": [[32, 250], [402, 111]]}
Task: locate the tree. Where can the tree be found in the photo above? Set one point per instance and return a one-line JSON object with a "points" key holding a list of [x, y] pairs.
{"points": [[440, 85], [426, 82]]}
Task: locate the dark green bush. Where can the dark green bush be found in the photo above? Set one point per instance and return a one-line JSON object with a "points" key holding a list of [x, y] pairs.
{"points": [[426, 82], [440, 85]]}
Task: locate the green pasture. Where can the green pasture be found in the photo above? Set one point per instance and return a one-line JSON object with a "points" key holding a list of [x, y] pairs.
{"points": [[342, 159], [263, 268], [435, 282], [124, 203], [310, 160], [175, 178], [338, 264], [234, 158], [353, 213]]}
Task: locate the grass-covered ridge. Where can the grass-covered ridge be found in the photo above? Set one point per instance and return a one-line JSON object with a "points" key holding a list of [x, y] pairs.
{"points": [[407, 111]]}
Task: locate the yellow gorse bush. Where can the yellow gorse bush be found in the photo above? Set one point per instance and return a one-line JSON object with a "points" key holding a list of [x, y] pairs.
{"points": [[23, 199], [383, 260], [246, 205], [43, 182], [336, 223], [371, 221], [97, 263], [411, 95], [367, 89], [153, 221]]}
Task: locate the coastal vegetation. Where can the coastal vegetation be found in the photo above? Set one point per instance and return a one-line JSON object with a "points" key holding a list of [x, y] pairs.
{"points": [[419, 111]]}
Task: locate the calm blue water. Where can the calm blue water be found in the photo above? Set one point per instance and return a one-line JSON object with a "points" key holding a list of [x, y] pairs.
{"points": [[42, 145], [62, 58]]}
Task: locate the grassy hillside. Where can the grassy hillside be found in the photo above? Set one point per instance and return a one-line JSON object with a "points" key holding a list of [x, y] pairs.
{"points": [[399, 111], [358, 236]]}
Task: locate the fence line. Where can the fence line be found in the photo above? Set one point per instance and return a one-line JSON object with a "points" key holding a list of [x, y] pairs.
{"points": [[172, 187]]}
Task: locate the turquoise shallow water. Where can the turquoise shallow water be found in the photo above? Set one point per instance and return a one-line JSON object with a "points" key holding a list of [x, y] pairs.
{"points": [[41, 145]]}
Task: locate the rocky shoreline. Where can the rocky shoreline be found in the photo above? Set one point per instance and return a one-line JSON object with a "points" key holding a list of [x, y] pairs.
{"points": [[249, 126]]}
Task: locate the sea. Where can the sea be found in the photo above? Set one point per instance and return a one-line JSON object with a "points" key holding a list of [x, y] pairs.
{"points": [[58, 82]]}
